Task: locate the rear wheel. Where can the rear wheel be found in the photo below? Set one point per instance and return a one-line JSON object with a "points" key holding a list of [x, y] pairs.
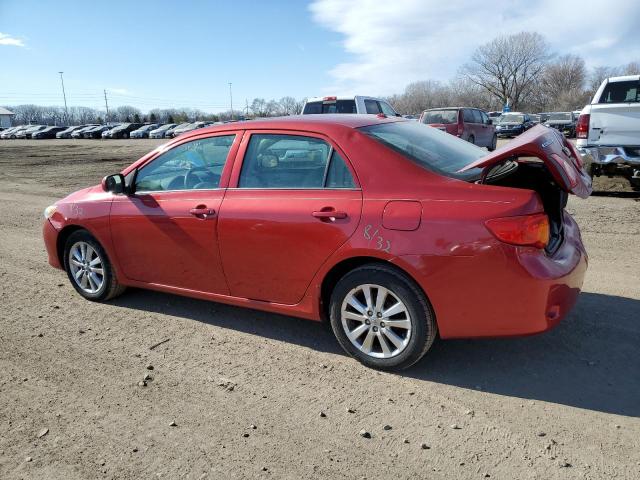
{"points": [[494, 143], [89, 269], [382, 318]]}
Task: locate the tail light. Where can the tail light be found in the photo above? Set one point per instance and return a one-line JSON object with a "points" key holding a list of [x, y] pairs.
{"points": [[582, 128], [525, 230]]}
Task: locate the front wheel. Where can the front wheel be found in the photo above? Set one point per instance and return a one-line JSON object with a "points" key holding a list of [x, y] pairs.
{"points": [[89, 269], [382, 318]]}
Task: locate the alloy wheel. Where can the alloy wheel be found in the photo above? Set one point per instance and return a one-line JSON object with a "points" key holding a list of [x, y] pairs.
{"points": [[376, 321], [86, 267]]}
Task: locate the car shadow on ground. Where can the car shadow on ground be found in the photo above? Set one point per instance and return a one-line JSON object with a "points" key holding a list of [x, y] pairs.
{"points": [[606, 193], [591, 360]]}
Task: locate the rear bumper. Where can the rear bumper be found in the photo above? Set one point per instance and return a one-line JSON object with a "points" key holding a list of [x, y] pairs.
{"points": [[50, 236], [504, 290], [610, 155]]}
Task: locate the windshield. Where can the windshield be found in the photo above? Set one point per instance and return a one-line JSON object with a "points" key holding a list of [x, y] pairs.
{"points": [[560, 116], [511, 118], [429, 147], [339, 106], [440, 116]]}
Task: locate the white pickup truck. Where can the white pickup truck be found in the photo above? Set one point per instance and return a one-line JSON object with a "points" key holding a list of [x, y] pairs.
{"points": [[608, 130]]}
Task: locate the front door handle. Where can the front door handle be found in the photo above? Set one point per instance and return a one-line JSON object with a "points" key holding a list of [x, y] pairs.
{"points": [[329, 214], [202, 211]]}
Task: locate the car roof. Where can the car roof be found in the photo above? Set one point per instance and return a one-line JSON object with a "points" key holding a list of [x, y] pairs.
{"points": [[625, 78], [314, 122], [340, 97]]}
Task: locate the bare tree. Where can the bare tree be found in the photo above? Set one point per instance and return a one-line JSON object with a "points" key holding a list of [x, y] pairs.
{"points": [[288, 106], [509, 66], [562, 86]]}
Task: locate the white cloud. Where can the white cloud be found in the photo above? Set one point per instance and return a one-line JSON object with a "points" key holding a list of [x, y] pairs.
{"points": [[391, 44], [6, 39]]}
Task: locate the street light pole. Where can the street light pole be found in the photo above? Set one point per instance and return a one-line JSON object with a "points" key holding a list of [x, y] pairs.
{"points": [[231, 100], [64, 95]]}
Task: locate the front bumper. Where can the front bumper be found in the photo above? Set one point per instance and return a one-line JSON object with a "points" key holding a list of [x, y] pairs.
{"points": [[50, 235]]}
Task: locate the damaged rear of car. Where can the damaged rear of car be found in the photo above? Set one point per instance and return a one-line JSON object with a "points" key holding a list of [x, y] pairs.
{"points": [[506, 212]]}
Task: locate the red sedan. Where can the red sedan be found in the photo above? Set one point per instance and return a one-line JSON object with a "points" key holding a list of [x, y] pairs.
{"points": [[392, 230]]}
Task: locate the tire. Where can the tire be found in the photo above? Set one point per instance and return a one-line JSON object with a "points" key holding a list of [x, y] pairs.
{"points": [[494, 143], [471, 139], [407, 342], [125, 135], [80, 253]]}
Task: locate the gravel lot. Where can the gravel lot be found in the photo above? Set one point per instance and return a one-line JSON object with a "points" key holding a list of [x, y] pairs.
{"points": [[236, 393]]}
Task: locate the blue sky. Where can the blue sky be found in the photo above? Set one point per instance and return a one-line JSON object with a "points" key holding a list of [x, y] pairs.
{"points": [[184, 53], [169, 53]]}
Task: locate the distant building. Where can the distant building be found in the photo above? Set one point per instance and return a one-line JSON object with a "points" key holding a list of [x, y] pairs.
{"points": [[5, 117]]}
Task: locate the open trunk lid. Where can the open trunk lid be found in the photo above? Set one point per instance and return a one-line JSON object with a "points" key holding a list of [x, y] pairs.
{"points": [[553, 149]]}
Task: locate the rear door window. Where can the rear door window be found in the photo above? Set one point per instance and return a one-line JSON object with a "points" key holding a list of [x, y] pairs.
{"points": [[372, 106], [477, 117], [445, 117], [338, 174], [467, 115], [621, 92]]}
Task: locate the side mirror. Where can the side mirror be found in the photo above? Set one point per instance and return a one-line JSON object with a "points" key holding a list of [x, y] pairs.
{"points": [[489, 122], [113, 183]]}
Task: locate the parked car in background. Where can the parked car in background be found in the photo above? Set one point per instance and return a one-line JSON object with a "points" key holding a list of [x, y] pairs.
{"points": [[160, 132], [11, 132], [412, 117], [348, 104], [48, 132], [563, 121], [470, 124], [544, 116], [171, 132], [493, 115], [608, 130], [513, 124], [340, 201], [121, 131], [96, 131], [535, 118], [78, 133], [27, 132], [190, 126], [66, 133], [143, 131]]}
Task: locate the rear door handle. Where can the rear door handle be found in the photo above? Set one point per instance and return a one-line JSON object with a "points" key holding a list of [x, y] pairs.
{"points": [[329, 214]]}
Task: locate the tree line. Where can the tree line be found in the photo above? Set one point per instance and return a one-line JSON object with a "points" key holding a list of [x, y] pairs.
{"points": [[519, 69]]}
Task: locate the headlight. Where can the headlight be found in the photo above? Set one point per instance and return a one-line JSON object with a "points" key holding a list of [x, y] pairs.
{"points": [[49, 211]]}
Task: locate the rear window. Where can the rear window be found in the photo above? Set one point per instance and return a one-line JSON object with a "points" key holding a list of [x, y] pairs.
{"points": [[339, 106], [560, 116], [621, 92], [440, 116], [429, 147]]}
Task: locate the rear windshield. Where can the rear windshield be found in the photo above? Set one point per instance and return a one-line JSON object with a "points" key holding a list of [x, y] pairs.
{"points": [[339, 106], [440, 116], [560, 116], [429, 147], [621, 92], [511, 118]]}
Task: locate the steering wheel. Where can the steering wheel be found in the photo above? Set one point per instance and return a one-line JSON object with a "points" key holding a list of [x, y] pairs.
{"points": [[191, 179]]}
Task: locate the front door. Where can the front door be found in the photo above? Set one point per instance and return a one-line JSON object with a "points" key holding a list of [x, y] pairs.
{"points": [[295, 202], [165, 231]]}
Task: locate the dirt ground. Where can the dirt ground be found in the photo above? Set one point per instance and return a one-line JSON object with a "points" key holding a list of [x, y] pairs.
{"points": [[245, 389]]}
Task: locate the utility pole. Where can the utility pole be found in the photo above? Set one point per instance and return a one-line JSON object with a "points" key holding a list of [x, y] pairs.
{"points": [[106, 120], [231, 100], [64, 95]]}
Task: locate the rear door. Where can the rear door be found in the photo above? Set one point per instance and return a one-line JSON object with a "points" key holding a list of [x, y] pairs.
{"points": [[615, 119], [293, 201]]}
